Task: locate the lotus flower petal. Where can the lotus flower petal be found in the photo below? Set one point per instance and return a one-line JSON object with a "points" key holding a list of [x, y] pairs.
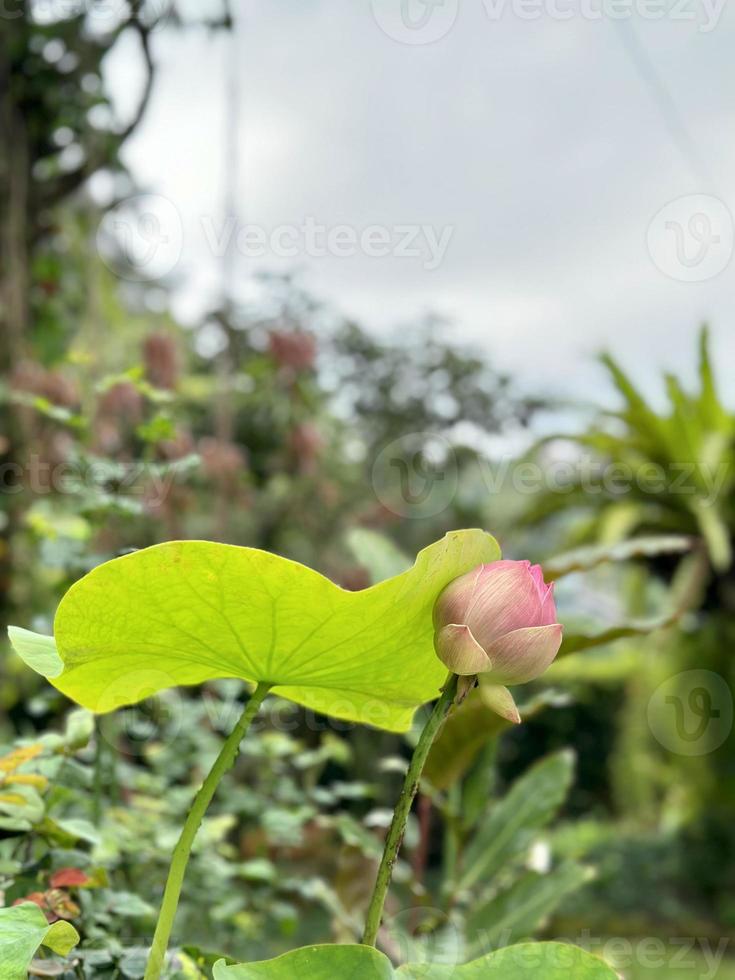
{"points": [[500, 700], [524, 654], [459, 651]]}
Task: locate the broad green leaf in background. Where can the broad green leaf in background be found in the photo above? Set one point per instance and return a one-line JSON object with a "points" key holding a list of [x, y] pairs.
{"points": [[314, 963], [23, 928], [577, 642], [584, 559], [686, 592], [520, 910], [514, 821], [186, 612], [467, 729], [376, 553], [715, 532], [531, 961]]}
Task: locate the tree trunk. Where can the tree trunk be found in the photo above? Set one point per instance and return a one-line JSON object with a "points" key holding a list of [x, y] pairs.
{"points": [[14, 284]]}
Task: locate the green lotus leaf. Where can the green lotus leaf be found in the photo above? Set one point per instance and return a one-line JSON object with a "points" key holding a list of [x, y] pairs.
{"points": [[186, 612], [38, 652], [23, 928], [314, 963], [530, 961]]}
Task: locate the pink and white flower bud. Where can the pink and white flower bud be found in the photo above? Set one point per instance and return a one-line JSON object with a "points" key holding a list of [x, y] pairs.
{"points": [[499, 621]]}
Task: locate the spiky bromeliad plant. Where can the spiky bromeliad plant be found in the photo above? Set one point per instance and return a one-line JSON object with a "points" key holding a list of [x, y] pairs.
{"points": [[676, 467], [188, 612], [673, 473]]}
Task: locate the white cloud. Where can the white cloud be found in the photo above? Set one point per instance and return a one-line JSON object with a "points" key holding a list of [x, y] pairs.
{"points": [[536, 141]]}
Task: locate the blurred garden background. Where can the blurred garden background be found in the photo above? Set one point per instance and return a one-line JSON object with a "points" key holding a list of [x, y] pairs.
{"points": [[239, 305]]}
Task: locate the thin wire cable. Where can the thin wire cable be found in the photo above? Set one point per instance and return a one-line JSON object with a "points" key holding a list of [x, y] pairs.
{"points": [[672, 118], [233, 109], [224, 417]]}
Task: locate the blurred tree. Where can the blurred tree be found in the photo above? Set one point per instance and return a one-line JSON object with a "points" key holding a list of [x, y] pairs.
{"points": [[56, 131], [314, 400], [58, 128]]}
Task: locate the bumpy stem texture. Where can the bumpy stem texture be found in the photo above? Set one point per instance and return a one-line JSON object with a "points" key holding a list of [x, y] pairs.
{"points": [[225, 760], [403, 808]]}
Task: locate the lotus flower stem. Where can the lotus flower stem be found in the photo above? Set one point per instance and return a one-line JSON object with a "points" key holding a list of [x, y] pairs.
{"points": [[400, 815], [224, 762]]}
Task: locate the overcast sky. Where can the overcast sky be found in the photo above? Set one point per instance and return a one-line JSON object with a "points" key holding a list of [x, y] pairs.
{"points": [[529, 156]]}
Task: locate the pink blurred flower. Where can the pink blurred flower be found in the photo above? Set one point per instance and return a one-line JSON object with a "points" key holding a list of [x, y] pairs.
{"points": [[498, 621], [292, 349], [161, 358]]}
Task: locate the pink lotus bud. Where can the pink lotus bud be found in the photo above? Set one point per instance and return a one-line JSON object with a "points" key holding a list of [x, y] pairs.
{"points": [[498, 620]]}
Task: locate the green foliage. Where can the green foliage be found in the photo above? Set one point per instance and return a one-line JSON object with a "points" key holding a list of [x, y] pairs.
{"points": [[27, 770], [647, 881], [267, 854], [23, 929], [584, 559], [543, 961], [678, 465], [684, 594], [509, 827], [509, 916], [486, 896]]}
